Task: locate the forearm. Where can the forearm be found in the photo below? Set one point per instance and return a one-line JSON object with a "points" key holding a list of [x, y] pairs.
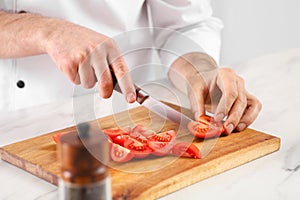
{"points": [[22, 34], [188, 66]]}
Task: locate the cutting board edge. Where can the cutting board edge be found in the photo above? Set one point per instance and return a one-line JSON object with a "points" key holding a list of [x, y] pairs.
{"points": [[28, 167], [274, 142], [154, 192]]}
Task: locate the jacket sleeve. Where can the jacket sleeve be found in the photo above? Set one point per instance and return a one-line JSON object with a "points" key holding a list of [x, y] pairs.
{"points": [[183, 26]]}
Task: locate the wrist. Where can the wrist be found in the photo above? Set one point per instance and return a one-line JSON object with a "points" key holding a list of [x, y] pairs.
{"points": [[26, 32], [190, 65], [194, 63], [45, 33], [40, 31]]}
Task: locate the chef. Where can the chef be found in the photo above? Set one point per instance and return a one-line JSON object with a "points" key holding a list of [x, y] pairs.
{"points": [[48, 46]]}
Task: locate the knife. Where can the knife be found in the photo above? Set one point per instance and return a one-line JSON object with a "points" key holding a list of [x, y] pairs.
{"points": [[156, 106]]}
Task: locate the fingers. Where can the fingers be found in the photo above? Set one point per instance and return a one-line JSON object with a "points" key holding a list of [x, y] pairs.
{"points": [[97, 67], [229, 88], [105, 84], [87, 77], [70, 70], [196, 93], [240, 107], [101, 71], [120, 70], [237, 110], [251, 112]]}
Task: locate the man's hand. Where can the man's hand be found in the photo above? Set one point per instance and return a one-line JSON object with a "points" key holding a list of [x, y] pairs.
{"points": [[220, 91], [83, 55], [86, 56]]}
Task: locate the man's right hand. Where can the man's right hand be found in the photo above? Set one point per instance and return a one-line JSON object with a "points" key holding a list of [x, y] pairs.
{"points": [[86, 56], [82, 54]]}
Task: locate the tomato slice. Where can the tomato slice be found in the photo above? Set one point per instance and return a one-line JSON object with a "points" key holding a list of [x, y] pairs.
{"points": [[139, 130], [114, 132], [119, 153], [120, 139], [184, 149], [162, 143], [160, 148], [56, 137], [167, 136], [206, 127], [139, 149], [205, 119]]}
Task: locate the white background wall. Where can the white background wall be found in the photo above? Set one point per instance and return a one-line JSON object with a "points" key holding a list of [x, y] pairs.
{"points": [[257, 27]]}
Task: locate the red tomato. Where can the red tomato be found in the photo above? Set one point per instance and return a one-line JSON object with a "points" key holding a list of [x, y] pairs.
{"points": [[167, 136], [139, 130], [119, 153], [206, 127], [184, 149], [114, 132], [139, 149], [120, 139], [56, 137], [160, 148], [162, 143]]}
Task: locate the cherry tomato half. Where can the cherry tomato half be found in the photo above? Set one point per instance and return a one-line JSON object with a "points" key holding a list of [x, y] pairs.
{"points": [[114, 132], [167, 136], [120, 139], [139, 130], [119, 153], [139, 149], [56, 137], [206, 127], [160, 148], [184, 149]]}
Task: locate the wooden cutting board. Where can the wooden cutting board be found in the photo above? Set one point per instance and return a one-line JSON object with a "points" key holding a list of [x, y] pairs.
{"points": [[153, 177]]}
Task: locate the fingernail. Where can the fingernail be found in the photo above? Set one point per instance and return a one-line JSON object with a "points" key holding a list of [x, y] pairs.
{"points": [[219, 117], [229, 128], [130, 97], [241, 126]]}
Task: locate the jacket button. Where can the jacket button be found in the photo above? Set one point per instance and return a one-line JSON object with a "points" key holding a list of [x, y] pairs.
{"points": [[20, 84]]}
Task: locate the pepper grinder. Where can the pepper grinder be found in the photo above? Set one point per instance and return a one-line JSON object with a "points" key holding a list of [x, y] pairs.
{"points": [[83, 176]]}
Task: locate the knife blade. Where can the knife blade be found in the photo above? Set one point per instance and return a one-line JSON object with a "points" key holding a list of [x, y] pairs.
{"points": [[161, 109], [156, 106]]}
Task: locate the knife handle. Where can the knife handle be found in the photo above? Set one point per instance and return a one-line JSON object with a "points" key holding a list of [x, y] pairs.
{"points": [[141, 95]]}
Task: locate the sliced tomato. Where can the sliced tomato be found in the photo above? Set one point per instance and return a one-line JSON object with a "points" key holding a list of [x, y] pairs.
{"points": [[139, 149], [56, 137], [120, 139], [205, 119], [140, 133], [119, 153], [114, 132], [140, 130], [160, 148], [142, 139], [184, 149], [167, 136], [206, 127], [162, 143]]}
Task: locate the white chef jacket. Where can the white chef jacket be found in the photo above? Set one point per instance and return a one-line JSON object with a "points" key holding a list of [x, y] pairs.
{"points": [[191, 19]]}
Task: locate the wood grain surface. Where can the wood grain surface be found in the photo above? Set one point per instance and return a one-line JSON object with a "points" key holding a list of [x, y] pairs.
{"points": [[153, 177]]}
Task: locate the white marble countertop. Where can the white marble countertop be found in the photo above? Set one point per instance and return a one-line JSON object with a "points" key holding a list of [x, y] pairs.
{"points": [[274, 79]]}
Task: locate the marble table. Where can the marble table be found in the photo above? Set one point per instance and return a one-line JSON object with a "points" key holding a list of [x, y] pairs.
{"points": [[274, 79]]}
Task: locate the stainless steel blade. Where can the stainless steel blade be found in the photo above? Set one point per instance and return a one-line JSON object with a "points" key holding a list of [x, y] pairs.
{"points": [[156, 106], [166, 112]]}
